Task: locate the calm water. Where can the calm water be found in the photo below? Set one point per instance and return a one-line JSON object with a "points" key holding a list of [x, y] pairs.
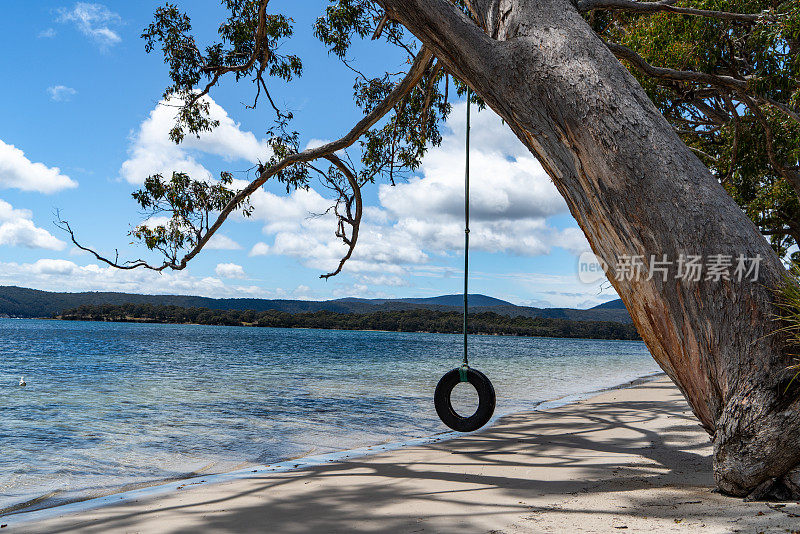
{"points": [[112, 404]]}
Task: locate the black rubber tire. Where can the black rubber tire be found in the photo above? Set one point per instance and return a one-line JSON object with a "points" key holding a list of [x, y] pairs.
{"points": [[444, 406]]}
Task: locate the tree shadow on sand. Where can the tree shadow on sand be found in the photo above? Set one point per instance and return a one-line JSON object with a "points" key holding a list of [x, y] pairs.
{"points": [[607, 447]]}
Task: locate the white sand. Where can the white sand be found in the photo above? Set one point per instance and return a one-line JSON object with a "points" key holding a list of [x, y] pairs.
{"points": [[629, 460]]}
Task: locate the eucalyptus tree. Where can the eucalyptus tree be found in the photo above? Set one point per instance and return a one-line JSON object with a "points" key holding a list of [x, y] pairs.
{"points": [[622, 102]]}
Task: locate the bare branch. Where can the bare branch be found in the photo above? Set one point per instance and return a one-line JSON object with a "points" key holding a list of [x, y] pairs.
{"points": [[429, 90], [623, 52], [781, 107], [354, 220], [737, 131], [716, 116], [128, 265], [632, 6], [705, 154], [737, 85], [379, 28], [779, 231]]}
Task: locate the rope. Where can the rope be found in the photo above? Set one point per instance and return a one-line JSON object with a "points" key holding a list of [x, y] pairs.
{"points": [[466, 239]]}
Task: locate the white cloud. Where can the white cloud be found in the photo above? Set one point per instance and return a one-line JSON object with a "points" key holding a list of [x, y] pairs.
{"points": [[573, 240], [416, 221], [75, 251], [17, 229], [53, 274], [382, 280], [153, 152], [61, 93], [361, 290], [53, 266], [511, 199], [222, 242], [23, 233], [94, 21], [19, 172], [230, 270], [49, 33], [155, 220], [510, 194], [316, 143], [301, 228], [259, 249], [565, 291]]}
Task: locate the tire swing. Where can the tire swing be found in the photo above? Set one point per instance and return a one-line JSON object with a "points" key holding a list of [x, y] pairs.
{"points": [[486, 396]]}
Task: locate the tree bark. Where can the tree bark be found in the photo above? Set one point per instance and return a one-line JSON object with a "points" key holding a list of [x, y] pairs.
{"points": [[636, 189]]}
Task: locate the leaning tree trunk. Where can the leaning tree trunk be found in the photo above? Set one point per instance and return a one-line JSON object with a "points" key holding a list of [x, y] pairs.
{"points": [[636, 189]]}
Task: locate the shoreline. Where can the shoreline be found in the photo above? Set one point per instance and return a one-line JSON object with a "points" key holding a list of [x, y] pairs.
{"points": [[489, 334], [631, 458], [156, 488]]}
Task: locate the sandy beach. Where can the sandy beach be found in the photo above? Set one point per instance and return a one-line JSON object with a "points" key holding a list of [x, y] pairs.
{"points": [[630, 459]]}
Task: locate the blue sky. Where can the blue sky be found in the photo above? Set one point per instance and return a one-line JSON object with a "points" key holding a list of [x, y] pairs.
{"points": [[82, 128]]}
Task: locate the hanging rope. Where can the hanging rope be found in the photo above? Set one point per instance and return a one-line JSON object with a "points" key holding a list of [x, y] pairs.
{"points": [[465, 363], [483, 386]]}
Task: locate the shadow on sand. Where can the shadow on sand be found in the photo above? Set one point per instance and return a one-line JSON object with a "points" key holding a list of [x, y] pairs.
{"points": [[526, 468]]}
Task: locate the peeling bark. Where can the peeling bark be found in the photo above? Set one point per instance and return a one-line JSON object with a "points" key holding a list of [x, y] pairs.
{"points": [[636, 189]]}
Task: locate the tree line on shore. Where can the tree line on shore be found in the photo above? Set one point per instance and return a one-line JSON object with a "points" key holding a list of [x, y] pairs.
{"points": [[419, 320]]}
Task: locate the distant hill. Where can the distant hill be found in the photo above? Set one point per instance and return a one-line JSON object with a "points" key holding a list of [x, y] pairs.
{"points": [[24, 302], [616, 304], [418, 320], [442, 300]]}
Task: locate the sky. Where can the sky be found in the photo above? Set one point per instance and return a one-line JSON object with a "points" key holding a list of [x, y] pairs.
{"points": [[84, 125]]}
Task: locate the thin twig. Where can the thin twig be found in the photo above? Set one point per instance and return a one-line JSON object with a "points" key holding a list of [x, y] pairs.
{"points": [[353, 220], [740, 86], [631, 6]]}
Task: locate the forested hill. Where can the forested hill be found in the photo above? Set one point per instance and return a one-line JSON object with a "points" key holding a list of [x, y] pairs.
{"points": [[24, 302], [418, 320]]}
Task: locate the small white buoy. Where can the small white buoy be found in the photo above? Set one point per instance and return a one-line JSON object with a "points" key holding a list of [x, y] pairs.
{"points": [[22, 381]]}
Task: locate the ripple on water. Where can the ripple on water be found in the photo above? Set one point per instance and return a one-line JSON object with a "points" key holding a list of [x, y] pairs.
{"points": [[115, 404]]}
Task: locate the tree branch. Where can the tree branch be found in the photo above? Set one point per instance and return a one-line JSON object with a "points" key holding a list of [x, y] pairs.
{"points": [[789, 174], [411, 79], [128, 265], [623, 52], [449, 33], [727, 82], [429, 96], [779, 231], [632, 6], [220, 71], [737, 132], [379, 28], [354, 221]]}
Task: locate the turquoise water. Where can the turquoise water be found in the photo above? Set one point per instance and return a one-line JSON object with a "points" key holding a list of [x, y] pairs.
{"points": [[113, 404]]}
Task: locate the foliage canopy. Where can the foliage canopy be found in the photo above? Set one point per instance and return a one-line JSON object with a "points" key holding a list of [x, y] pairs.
{"points": [[733, 119]]}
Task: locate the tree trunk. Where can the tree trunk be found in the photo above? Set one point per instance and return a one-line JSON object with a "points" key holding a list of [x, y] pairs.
{"points": [[636, 189]]}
